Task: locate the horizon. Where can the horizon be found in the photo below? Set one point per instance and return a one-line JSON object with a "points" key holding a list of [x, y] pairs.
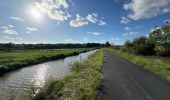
{"points": [[71, 21]]}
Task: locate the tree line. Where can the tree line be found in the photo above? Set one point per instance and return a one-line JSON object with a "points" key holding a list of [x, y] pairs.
{"points": [[157, 43], [12, 46]]}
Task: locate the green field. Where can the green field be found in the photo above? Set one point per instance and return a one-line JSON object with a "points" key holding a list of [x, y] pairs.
{"points": [[82, 84], [10, 60], [157, 65]]}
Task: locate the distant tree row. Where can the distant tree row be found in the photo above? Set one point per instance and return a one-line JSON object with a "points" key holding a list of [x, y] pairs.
{"points": [[11, 46], [157, 43]]}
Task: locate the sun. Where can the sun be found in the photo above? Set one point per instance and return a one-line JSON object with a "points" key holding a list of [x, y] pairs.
{"points": [[35, 13]]}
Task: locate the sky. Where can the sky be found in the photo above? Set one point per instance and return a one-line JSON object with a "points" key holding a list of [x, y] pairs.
{"points": [[79, 21]]}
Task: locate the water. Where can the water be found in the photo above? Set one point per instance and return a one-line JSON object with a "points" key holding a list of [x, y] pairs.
{"points": [[36, 75]]}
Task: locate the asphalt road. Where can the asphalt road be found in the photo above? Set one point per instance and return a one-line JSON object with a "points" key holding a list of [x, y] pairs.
{"points": [[123, 80]]}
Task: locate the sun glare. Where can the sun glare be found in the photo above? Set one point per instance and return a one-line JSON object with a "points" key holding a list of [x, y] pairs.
{"points": [[35, 13]]}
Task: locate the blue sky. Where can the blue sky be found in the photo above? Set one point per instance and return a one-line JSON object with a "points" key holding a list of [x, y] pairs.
{"points": [[79, 21]]}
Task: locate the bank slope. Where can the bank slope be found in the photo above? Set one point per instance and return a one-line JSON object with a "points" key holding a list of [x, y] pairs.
{"points": [[81, 84], [12, 60]]}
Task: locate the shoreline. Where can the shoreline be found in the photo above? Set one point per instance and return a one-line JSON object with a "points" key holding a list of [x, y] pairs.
{"points": [[83, 83], [4, 70]]}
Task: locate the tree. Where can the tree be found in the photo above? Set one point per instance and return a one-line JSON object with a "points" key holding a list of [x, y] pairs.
{"points": [[128, 47], [11, 46], [107, 44], [166, 32], [157, 43], [155, 35], [141, 46], [161, 39]]}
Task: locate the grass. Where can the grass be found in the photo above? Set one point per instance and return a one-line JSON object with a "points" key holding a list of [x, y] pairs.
{"points": [[82, 84], [155, 65], [161, 59], [10, 60], [78, 65]]}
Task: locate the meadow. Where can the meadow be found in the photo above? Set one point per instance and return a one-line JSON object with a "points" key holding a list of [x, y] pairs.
{"points": [[10, 60]]}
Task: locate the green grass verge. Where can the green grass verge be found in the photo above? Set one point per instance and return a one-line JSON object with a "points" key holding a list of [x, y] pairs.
{"points": [[157, 66], [161, 59], [11, 60], [82, 84]]}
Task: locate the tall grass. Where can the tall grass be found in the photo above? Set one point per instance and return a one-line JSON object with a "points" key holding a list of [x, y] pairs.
{"points": [[78, 65], [31, 92], [157, 66]]}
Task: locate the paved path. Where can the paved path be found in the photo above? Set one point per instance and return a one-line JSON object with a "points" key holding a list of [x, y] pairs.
{"points": [[122, 80]]}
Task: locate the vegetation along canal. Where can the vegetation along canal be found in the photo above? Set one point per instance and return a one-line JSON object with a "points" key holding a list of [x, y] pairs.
{"points": [[35, 76]]}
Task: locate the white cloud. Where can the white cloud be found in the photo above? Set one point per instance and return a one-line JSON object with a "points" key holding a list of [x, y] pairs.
{"points": [[102, 23], [17, 19], [12, 38], [129, 33], [79, 21], [103, 41], [114, 38], [95, 33], [92, 18], [124, 20], [140, 9], [19, 38], [85, 39], [82, 21], [155, 28], [11, 26], [54, 9], [10, 32], [71, 2], [127, 28], [4, 27], [70, 41], [31, 29], [6, 37]]}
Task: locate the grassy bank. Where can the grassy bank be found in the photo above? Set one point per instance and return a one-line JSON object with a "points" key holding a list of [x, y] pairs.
{"points": [[157, 66], [11, 60], [161, 59], [82, 84]]}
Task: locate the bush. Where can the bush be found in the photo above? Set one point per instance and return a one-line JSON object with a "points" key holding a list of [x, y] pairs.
{"points": [[128, 47], [157, 43], [107, 44], [140, 46], [162, 50]]}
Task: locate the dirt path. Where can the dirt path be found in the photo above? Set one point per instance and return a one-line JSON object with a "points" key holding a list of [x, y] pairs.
{"points": [[122, 80]]}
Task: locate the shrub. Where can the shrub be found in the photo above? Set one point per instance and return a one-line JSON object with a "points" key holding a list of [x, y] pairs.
{"points": [[162, 50], [140, 46]]}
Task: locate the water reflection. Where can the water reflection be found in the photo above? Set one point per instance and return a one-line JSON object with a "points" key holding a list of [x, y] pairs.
{"points": [[36, 75], [39, 76]]}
